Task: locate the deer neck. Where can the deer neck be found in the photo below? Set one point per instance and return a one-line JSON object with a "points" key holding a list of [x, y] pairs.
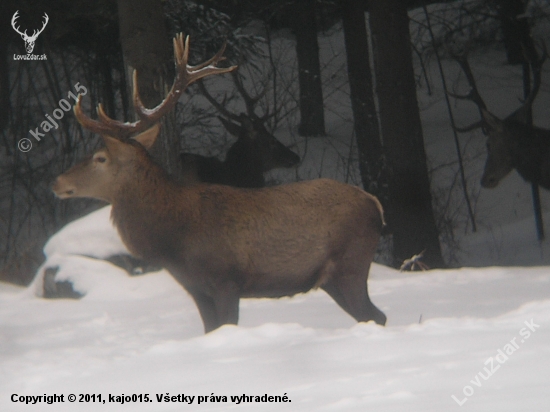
{"points": [[244, 167], [532, 155], [147, 209]]}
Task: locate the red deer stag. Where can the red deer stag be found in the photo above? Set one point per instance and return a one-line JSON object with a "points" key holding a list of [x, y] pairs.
{"points": [[255, 152], [223, 243], [511, 143]]}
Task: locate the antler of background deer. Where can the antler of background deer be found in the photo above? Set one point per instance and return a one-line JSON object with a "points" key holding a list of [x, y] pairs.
{"points": [[185, 75], [475, 96], [250, 102], [536, 68], [255, 152], [220, 107]]}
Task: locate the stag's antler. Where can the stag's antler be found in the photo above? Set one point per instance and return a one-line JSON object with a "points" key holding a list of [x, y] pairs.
{"points": [[220, 107], [475, 96], [250, 102], [185, 75], [536, 69]]}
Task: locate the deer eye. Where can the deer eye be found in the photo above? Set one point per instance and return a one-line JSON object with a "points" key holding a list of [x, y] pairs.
{"points": [[100, 159]]}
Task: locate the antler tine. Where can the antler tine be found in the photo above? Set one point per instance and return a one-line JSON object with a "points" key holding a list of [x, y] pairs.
{"points": [[250, 102], [91, 124], [474, 94], [218, 57], [185, 75], [536, 66], [218, 106], [207, 68], [522, 114]]}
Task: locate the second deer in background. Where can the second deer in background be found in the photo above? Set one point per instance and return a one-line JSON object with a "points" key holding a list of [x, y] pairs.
{"points": [[255, 152], [511, 143]]}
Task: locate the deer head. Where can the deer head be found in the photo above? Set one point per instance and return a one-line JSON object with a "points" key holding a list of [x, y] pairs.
{"points": [[102, 174], [250, 128], [505, 137], [29, 40], [264, 146], [255, 152]]}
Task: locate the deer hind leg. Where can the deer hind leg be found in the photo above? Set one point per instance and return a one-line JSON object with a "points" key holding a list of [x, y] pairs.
{"points": [[226, 301], [351, 294], [207, 310]]}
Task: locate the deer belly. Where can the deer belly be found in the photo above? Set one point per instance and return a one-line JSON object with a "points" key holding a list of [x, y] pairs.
{"points": [[286, 281], [276, 288]]}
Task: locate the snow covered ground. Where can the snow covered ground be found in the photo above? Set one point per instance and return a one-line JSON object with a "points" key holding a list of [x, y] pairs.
{"points": [[471, 337]]}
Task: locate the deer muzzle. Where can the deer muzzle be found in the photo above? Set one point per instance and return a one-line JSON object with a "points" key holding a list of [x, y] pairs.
{"points": [[62, 188]]}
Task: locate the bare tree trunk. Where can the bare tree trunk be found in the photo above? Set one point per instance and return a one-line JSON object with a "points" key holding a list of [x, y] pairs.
{"points": [[146, 47], [304, 24], [516, 32], [410, 214], [367, 131]]}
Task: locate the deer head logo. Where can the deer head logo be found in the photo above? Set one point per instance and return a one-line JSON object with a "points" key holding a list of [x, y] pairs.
{"points": [[29, 40]]}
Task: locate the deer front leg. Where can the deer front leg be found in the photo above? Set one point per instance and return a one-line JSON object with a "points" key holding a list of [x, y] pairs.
{"points": [[220, 309], [226, 300]]}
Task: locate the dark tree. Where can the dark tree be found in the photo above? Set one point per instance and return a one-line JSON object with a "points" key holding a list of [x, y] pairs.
{"points": [[301, 17], [516, 32], [304, 23], [366, 125], [146, 46], [409, 213]]}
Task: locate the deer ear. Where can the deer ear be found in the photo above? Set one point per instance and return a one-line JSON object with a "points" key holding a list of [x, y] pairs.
{"points": [[148, 137], [113, 145], [492, 121], [232, 128]]}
